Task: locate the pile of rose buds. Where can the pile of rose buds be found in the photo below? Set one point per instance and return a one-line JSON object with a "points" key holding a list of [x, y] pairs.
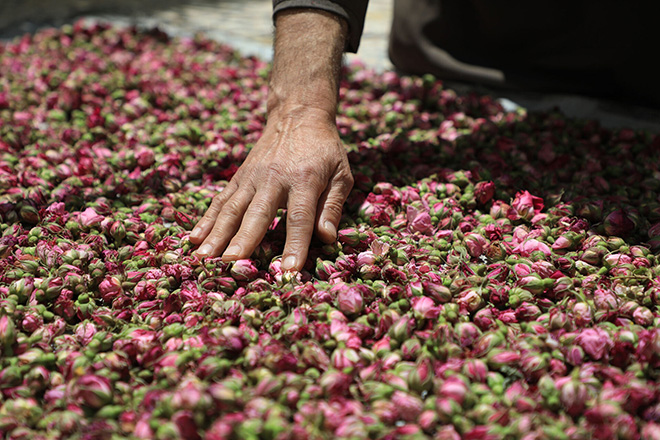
{"points": [[495, 276]]}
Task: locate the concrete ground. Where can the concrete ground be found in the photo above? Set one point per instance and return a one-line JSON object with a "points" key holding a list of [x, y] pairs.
{"points": [[247, 25]]}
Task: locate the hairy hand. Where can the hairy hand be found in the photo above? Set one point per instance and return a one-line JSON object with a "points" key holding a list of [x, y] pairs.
{"points": [[299, 164]]}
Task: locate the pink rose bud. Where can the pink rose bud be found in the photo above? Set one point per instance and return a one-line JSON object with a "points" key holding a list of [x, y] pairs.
{"points": [[366, 258], [467, 334], [605, 300], [501, 358], [575, 355], [455, 389], [110, 288], [484, 192], [93, 391], [183, 220], [244, 270], [618, 223], [437, 291], [476, 244], [595, 342], [401, 329], [651, 431], [335, 383], [89, 217], [447, 432], [643, 316], [350, 236], [408, 406], [526, 206], [420, 378], [350, 301], [603, 413], [7, 332], [532, 245], [344, 358], [582, 313], [418, 221], [573, 396], [476, 370], [424, 308], [84, 332], [324, 269], [428, 420]]}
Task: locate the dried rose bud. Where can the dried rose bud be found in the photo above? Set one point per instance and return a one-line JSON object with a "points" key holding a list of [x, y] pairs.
{"points": [[421, 377], [424, 308], [438, 292], [595, 342], [93, 391], [475, 369], [618, 223], [7, 332], [573, 396], [525, 206], [408, 406], [244, 270], [484, 192], [350, 301]]}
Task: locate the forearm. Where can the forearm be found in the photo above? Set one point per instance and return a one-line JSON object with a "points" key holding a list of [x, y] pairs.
{"points": [[306, 64]]}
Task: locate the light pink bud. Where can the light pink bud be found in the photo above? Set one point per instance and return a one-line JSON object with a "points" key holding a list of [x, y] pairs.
{"points": [[350, 301], [244, 270], [595, 342], [424, 308], [93, 391], [366, 258], [502, 358], [89, 217], [467, 334], [525, 206], [643, 316], [573, 396], [408, 406], [476, 244], [455, 389], [532, 245], [651, 431], [418, 220], [343, 358]]}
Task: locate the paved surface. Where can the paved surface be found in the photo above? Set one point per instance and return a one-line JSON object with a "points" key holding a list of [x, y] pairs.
{"points": [[247, 25]]}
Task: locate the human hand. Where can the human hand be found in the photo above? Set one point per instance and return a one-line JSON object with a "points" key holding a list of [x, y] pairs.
{"points": [[299, 164]]}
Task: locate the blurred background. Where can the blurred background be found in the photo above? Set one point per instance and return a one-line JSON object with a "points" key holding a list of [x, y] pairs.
{"points": [[247, 26]]}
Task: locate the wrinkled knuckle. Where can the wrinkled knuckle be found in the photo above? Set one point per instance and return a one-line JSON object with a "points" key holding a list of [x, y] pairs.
{"points": [[333, 206], [261, 209], [299, 215], [232, 208], [309, 176]]}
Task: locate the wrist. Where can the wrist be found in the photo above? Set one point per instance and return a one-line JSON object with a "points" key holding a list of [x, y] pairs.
{"points": [[302, 114]]}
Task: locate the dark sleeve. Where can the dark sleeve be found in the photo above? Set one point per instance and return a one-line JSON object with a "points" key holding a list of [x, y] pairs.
{"points": [[353, 11]]}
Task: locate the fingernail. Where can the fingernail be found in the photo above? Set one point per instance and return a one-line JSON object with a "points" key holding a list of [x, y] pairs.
{"points": [[196, 232], [330, 227], [205, 249], [289, 263], [232, 251]]}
